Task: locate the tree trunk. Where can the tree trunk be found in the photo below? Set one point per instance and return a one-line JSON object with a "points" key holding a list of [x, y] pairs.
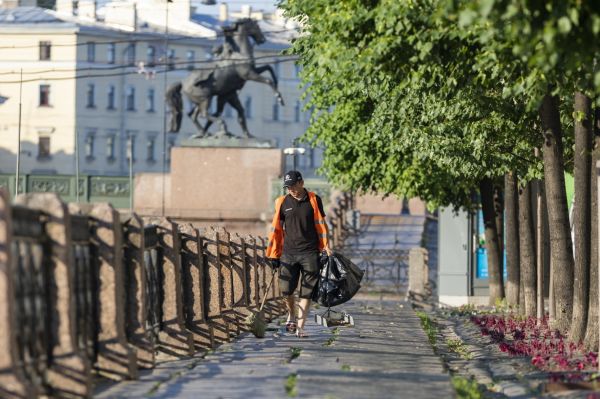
{"points": [[561, 246], [486, 189], [527, 250], [499, 210], [539, 248], [511, 206], [581, 215], [591, 333]]}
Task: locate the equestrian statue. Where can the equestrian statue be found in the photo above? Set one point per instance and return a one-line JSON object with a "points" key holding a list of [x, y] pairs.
{"points": [[234, 65]]}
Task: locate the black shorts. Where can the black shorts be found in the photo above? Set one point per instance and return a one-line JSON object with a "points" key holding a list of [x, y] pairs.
{"points": [[304, 267]]}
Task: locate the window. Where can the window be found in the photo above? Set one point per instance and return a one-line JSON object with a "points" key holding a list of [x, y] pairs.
{"points": [[150, 100], [248, 107], [150, 149], [171, 59], [90, 96], [91, 52], [89, 146], [131, 54], [45, 51], [130, 147], [297, 110], [150, 56], [110, 53], [110, 147], [44, 95], [130, 100], [111, 97], [43, 147], [275, 111], [191, 58]]}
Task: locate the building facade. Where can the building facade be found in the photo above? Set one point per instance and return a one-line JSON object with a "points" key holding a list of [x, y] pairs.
{"points": [[91, 82]]}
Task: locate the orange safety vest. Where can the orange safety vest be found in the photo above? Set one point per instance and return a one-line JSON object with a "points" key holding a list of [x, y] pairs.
{"points": [[275, 246]]}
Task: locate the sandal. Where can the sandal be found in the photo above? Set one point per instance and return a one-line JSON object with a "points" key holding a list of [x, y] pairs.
{"points": [[300, 333], [291, 326]]}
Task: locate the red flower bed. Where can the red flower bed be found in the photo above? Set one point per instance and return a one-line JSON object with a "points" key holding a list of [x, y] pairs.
{"points": [[549, 349]]}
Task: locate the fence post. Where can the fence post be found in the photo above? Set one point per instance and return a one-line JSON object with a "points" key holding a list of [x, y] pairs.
{"points": [[13, 383], [240, 275], [218, 322], [174, 339], [135, 292], [116, 359], [226, 271], [68, 372], [418, 273], [252, 272], [193, 268], [265, 277]]}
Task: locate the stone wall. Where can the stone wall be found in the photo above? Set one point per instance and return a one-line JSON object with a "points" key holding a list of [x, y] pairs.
{"points": [[87, 292]]}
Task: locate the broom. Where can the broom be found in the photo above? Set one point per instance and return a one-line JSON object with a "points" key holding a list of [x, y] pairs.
{"points": [[256, 321]]}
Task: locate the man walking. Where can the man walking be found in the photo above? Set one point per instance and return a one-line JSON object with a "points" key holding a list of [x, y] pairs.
{"points": [[298, 235]]}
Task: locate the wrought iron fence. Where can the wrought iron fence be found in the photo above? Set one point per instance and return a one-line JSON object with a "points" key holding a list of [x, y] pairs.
{"points": [[385, 269], [32, 293], [154, 295], [86, 286]]}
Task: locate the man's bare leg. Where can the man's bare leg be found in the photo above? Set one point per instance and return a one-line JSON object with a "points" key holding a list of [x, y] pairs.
{"points": [[290, 304], [304, 307]]}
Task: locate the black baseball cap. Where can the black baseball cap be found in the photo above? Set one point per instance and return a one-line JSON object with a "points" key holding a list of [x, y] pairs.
{"points": [[292, 177]]}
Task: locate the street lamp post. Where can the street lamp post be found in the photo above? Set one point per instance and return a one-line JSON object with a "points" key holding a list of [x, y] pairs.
{"points": [[294, 151], [130, 156], [18, 166]]}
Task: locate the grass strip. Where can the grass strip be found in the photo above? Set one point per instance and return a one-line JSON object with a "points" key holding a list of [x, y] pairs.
{"points": [[428, 327], [295, 352], [457, 346], [466, 388], [290, 385]]}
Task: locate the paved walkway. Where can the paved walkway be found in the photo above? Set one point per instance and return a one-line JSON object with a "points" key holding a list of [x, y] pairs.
{"points": [[386, 355]]}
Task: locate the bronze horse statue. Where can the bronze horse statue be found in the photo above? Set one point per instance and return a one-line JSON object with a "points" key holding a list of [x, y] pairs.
{"points": [[223, 78]]}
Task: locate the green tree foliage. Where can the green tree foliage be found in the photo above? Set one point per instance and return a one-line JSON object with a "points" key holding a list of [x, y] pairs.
{"points": [[400, 106]]}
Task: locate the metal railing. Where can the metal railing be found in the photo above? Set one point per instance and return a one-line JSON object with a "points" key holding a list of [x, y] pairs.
{"points": [[154, 294], [31, 292], [85, 287]]}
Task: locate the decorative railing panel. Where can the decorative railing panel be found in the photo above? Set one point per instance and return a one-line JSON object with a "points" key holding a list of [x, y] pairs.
{"points": [[86, 287], [31, 292], [153, 282]]}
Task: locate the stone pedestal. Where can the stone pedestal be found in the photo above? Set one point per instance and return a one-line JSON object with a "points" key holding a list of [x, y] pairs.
{"points": [[213, 184]]}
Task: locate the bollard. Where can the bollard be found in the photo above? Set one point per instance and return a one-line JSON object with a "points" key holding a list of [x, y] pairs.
{"points": [[13, 383], [69, 372], [174, 340], [116, 359], [193, 269], [219, 323], [135, 293]]}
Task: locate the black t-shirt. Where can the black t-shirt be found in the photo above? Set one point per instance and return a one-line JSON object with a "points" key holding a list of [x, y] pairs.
{"points": [[298, 221]]}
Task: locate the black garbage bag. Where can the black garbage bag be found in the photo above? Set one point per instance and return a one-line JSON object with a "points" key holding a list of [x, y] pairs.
{"points": [[339, 281]]}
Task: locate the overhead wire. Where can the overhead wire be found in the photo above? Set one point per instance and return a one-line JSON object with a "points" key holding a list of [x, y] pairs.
{"points": [[111, 67], [137, 71]]}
